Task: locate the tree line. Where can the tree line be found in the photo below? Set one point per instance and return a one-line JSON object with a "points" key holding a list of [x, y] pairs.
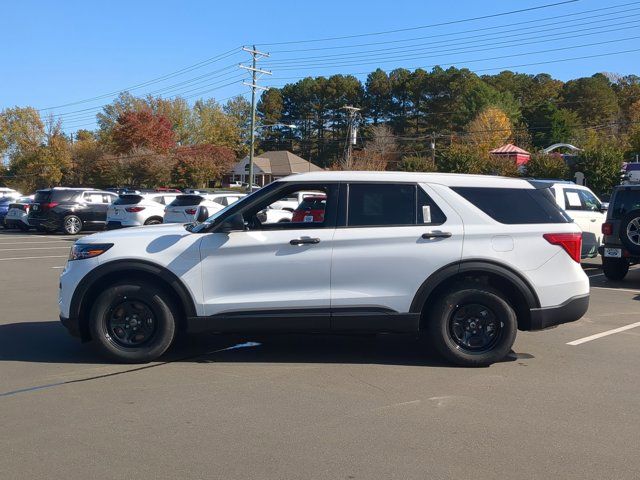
{"points": [[142, 142], [154, 141]]}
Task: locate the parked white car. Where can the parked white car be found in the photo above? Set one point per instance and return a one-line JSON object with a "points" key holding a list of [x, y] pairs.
{"points": [[586, 209], [464, 260], [183, 208], [9, 192], [18, 213], [134, 210], [292, 202]]}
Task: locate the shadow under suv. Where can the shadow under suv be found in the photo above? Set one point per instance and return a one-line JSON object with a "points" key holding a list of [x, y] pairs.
{"points": [[70, 210]]}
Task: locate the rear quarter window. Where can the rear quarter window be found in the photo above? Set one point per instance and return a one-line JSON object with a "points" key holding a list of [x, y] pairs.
{"points": [[515, 206]]}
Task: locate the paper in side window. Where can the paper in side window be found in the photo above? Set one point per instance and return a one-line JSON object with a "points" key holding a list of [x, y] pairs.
{"points": [[574, 199], [426, 214]]}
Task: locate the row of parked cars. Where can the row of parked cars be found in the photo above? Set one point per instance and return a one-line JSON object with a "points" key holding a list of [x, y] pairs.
{"points": [[72, 210]]}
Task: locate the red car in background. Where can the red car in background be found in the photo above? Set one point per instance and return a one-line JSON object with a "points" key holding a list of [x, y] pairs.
{"points": [[311, 209]]}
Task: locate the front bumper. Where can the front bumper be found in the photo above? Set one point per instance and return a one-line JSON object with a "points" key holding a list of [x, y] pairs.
{"points": [[569, 311], [72, 325]]}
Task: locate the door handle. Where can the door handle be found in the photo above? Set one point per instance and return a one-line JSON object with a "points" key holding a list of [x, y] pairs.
{"points": [[593, 219], [304, 241], [430, 235]]}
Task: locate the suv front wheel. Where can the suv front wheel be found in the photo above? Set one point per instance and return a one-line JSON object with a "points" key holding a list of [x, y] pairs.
{"points": [[472, 325], [133, 322]]}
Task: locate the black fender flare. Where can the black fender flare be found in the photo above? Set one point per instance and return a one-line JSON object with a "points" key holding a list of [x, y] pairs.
{"points": [[166, 276], [480, 265]]}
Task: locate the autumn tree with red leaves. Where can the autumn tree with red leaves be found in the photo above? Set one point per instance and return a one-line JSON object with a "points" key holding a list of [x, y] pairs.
{"points": [[138, 129], [196, 165]]}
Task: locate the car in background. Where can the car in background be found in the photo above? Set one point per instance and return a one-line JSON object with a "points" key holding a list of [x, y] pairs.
{"points": [[621, 232], [9, 192], [70, 210], [17, 215], [137, 209], [584, 208], [4, 207], [292, 202], [311, 209], [183, 208]]}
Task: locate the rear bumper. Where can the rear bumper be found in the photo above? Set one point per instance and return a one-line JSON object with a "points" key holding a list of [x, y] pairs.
{"points": [[569, 311]]}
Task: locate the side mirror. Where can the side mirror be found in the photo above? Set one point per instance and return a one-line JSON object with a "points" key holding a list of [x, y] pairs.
{"points": [[202, 213], [604, 207], [235, 223]]}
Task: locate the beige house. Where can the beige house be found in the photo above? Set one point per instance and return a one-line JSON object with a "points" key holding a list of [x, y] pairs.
{"points": [[270, 166]]}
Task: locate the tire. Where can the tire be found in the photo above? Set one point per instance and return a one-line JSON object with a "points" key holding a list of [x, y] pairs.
{"points": [[630, 231], [615, 268], [71, 225], [153, 221], [459, 313], [23, 227], [127, 305]]}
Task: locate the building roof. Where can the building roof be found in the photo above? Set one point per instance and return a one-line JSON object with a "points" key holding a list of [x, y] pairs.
{"points": [[509, 148], [448, 179], [278, 163]]}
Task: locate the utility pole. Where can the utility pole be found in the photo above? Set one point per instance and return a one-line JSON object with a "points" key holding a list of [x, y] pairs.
{"points": [[433, 147], [352, 135], [255, 56]]}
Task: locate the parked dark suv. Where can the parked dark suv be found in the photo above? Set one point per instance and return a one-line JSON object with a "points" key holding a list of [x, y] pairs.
{"points": [[621, 232], [70, 210]]}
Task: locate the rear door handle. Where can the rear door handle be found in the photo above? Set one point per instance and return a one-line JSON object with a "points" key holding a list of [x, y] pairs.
{"points": [[430, 235], [304, 241]]}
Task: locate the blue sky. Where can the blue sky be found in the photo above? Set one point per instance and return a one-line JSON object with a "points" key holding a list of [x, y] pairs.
{"points": [[55, 53]]}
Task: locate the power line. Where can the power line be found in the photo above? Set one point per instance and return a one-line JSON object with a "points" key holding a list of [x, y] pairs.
{"points": [[226, 54], [555, 19], [451, 22], [346, 64], [470, 40]]}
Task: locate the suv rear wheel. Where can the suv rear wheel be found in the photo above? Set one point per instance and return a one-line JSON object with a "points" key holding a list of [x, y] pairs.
{"points": [[615, 268], [132, 322], [153, 221], [472, 325]]}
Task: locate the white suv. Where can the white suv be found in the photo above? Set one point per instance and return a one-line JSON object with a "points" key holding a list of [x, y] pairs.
{"points": [[136, 209], [582, 205], [465, 260], [183, 208]]}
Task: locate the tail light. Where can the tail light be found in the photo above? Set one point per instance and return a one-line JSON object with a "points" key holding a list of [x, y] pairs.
{"points": [[134, 209], [49, 205], [571, 242], [190, 211], [607, 228]]}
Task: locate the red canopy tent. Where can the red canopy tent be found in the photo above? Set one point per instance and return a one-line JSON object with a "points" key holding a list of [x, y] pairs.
{"points": [[510, 151]]}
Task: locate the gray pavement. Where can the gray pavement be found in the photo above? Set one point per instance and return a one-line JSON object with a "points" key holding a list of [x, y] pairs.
{"points": [[325, 407]]}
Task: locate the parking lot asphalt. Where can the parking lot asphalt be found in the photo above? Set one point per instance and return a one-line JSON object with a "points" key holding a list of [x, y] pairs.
{"points": [[565, 404]]}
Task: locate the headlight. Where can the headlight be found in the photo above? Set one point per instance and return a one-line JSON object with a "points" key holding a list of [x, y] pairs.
{"points": [[80, 251]]}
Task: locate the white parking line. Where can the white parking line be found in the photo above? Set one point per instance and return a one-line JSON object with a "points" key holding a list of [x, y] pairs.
{"points": [[596, 275], [603, 334], [57, 268], [31, 258], [66, 242], [618, 289], [34, 248]]}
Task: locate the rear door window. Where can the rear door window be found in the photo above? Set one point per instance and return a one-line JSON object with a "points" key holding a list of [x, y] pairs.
{"points": [[515, 206], [377, 204]]}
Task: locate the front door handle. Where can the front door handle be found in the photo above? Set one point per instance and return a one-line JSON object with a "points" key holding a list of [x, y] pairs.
{"points": [[430, 235], [304, 241]]}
